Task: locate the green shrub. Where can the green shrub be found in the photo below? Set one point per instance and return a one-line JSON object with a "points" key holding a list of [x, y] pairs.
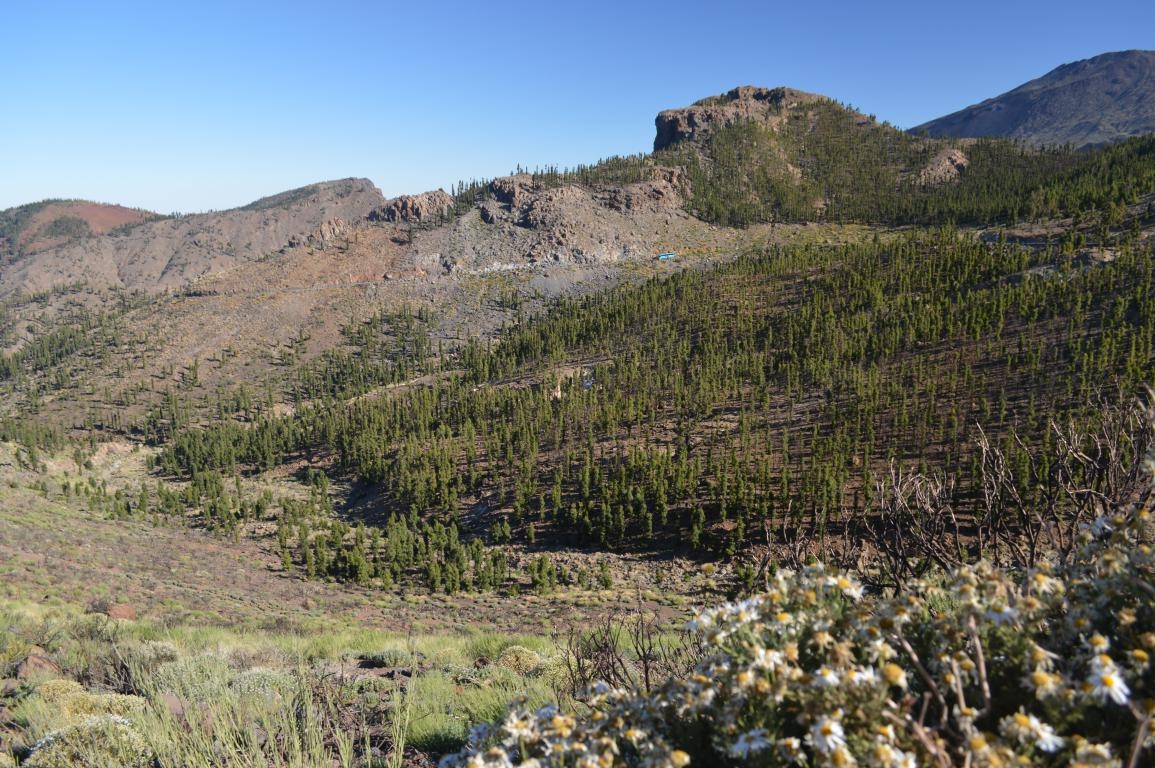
{"points": [[198, 678], [519, 659], [13, 648], [554, 672], [84, 704], [387, 658], [152, 652], [56, 691], [264, 684]]}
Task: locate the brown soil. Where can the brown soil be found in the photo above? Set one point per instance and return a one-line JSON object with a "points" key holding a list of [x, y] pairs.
{"points": [[101, 218]]}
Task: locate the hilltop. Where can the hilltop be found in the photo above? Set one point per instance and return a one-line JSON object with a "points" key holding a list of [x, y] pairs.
{"points": [[1086, 103], [36, 227]]}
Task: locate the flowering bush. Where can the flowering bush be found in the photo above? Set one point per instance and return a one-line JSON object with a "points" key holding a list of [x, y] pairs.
{"points": [[97, 741], [981, 667]]}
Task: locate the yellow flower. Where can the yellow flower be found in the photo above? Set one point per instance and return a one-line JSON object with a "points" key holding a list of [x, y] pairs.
{"points": [[977, 743], [563, 725], [1045, 683], [894, 675]]}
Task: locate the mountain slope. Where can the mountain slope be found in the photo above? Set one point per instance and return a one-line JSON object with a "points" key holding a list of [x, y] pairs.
{"points": [[170, 253], [49, 224], [1085, 103]]}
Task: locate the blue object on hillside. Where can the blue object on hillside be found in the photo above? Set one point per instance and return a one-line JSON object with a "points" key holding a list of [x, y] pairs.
{"points": [[665, 256]]}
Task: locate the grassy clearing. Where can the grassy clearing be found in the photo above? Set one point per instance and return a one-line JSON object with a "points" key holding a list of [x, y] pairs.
{"points": [[197, 695]]}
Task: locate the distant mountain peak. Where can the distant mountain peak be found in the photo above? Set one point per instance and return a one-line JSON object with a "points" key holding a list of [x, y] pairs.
{"points": [[1084, 103]]}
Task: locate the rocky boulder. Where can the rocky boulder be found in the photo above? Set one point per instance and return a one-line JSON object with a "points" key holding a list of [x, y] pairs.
{"points": [[36, 664]]}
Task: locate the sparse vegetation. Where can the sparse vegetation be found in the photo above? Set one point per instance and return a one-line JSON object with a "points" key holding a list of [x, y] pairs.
{"points": [[270, 699]]}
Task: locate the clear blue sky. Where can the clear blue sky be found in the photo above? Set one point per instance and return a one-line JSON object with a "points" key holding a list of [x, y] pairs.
{"points": [[207, 105]]}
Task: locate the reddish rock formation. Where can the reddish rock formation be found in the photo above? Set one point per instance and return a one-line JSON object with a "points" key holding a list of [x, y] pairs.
{"points": [[122, 611], [37, 664]]}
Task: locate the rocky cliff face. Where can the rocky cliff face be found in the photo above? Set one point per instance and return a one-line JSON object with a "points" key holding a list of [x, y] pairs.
{"points": [[428, 206], [1086, 103], [169, 254], [695, 122]]}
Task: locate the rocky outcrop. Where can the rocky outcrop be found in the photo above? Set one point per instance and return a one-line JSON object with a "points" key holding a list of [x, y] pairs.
{"points": [[943, 167], [36, 664], [428, 206], [323, 236], [665, 192], [1086, 103], [525, 223], [697, 121], [512, 192]]}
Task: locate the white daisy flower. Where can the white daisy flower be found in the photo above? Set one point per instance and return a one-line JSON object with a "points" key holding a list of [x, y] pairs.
{"points": [[827, 735], [1028, 729], [749, 743], [1001, 615], [1108, 684], [518, 726], [826, 677], [768, 659]]}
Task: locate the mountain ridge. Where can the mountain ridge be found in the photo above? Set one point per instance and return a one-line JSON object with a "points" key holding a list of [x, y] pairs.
{"points": [[1085, 103], [169, 253], [748, 155]]}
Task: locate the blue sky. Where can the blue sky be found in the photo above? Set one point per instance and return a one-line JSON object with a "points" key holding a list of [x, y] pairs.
{"points": [[208, 105]]}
